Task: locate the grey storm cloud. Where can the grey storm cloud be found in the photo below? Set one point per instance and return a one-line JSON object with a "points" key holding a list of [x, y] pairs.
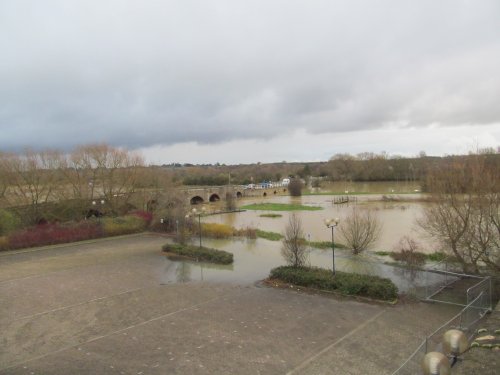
{"points": [[142, 73]]}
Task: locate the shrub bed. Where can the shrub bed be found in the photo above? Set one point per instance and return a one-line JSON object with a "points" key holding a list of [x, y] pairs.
{"points": [[115, 226], [214, 230], [51, 234], [200, 254], [346, 283]]}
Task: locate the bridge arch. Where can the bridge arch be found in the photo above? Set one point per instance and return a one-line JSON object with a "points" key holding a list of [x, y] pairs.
{"points": [[214, 198], [238, 194], [265, 194], [196, 200]]}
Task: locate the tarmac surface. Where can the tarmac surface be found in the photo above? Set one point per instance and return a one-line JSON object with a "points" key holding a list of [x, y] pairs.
{"points": [[101, 307]]}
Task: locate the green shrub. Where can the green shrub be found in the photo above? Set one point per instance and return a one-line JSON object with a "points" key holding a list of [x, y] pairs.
{"points": [[8, 222], [383, 253], [346, 283], [199, 253], [436, 256]]}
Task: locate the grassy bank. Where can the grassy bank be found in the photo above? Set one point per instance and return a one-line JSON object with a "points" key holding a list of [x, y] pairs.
{"points": [[280, 207], [345, 283], [203, 254], [326, 245], [429, 257]]}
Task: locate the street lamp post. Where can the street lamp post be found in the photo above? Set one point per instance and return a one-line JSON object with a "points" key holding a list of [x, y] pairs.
{"points": [[199, 213], [332, 223]]}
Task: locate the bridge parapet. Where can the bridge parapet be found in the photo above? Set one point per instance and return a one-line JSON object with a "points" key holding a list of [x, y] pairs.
{"points": [[207, 194]]}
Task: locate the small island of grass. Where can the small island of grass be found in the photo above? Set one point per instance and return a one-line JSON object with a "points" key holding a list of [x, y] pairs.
{"points": [[350, 284], [197, 253], [271, 236], [280, 207], [273, 216]]}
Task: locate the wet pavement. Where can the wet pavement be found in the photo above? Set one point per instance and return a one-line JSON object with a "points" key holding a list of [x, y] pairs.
{"points": [[107, 307]]}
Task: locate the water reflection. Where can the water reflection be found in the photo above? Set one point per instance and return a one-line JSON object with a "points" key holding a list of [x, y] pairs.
{"points": [[253, 259]]}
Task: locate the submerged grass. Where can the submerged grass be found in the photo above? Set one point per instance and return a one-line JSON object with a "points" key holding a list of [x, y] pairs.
{"points": [[430, 257], [280, 207], [326, 245], [271, 236], [271, 215]]}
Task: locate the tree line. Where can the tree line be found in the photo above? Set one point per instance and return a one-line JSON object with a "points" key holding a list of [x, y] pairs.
{"points": [[363, 167], [92, 177]]}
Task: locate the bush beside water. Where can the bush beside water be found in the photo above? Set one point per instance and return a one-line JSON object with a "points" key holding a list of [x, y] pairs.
{"points": [[199, 253], [346, 283]]}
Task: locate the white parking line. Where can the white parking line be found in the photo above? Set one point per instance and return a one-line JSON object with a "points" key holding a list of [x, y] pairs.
{"points": [[321, 352]]}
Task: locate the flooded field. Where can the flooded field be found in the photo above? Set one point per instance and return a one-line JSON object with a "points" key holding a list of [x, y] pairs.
{"points": [[255, 258], [398, 218]]}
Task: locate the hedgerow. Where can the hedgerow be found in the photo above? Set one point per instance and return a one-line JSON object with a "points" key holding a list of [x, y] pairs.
{"points": [[199, 253]]}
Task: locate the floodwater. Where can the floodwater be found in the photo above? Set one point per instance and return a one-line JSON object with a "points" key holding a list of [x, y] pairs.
{"points": [[398, 218], [254, 258]]}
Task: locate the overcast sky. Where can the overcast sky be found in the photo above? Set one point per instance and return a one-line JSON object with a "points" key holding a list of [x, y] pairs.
{"points": [[245, 81]]}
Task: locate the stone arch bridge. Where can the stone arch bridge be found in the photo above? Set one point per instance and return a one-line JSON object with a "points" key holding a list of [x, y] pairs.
{"points": [[199, 195]]}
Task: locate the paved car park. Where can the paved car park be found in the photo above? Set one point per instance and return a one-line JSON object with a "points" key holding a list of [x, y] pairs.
{"points": [[100, 308]]}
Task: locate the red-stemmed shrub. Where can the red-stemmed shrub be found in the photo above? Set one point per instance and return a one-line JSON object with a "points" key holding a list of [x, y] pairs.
{"points": [[144, 215], [50, 234]]}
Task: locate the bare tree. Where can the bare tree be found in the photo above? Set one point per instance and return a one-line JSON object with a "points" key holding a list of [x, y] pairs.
{"points": [[360, 230], [31, 181], [408, 252], [102, 171], [295, 187], [464, 215], [294, 248]]}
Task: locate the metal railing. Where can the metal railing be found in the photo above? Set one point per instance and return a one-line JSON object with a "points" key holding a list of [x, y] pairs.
{"points": [[466, 320]]}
